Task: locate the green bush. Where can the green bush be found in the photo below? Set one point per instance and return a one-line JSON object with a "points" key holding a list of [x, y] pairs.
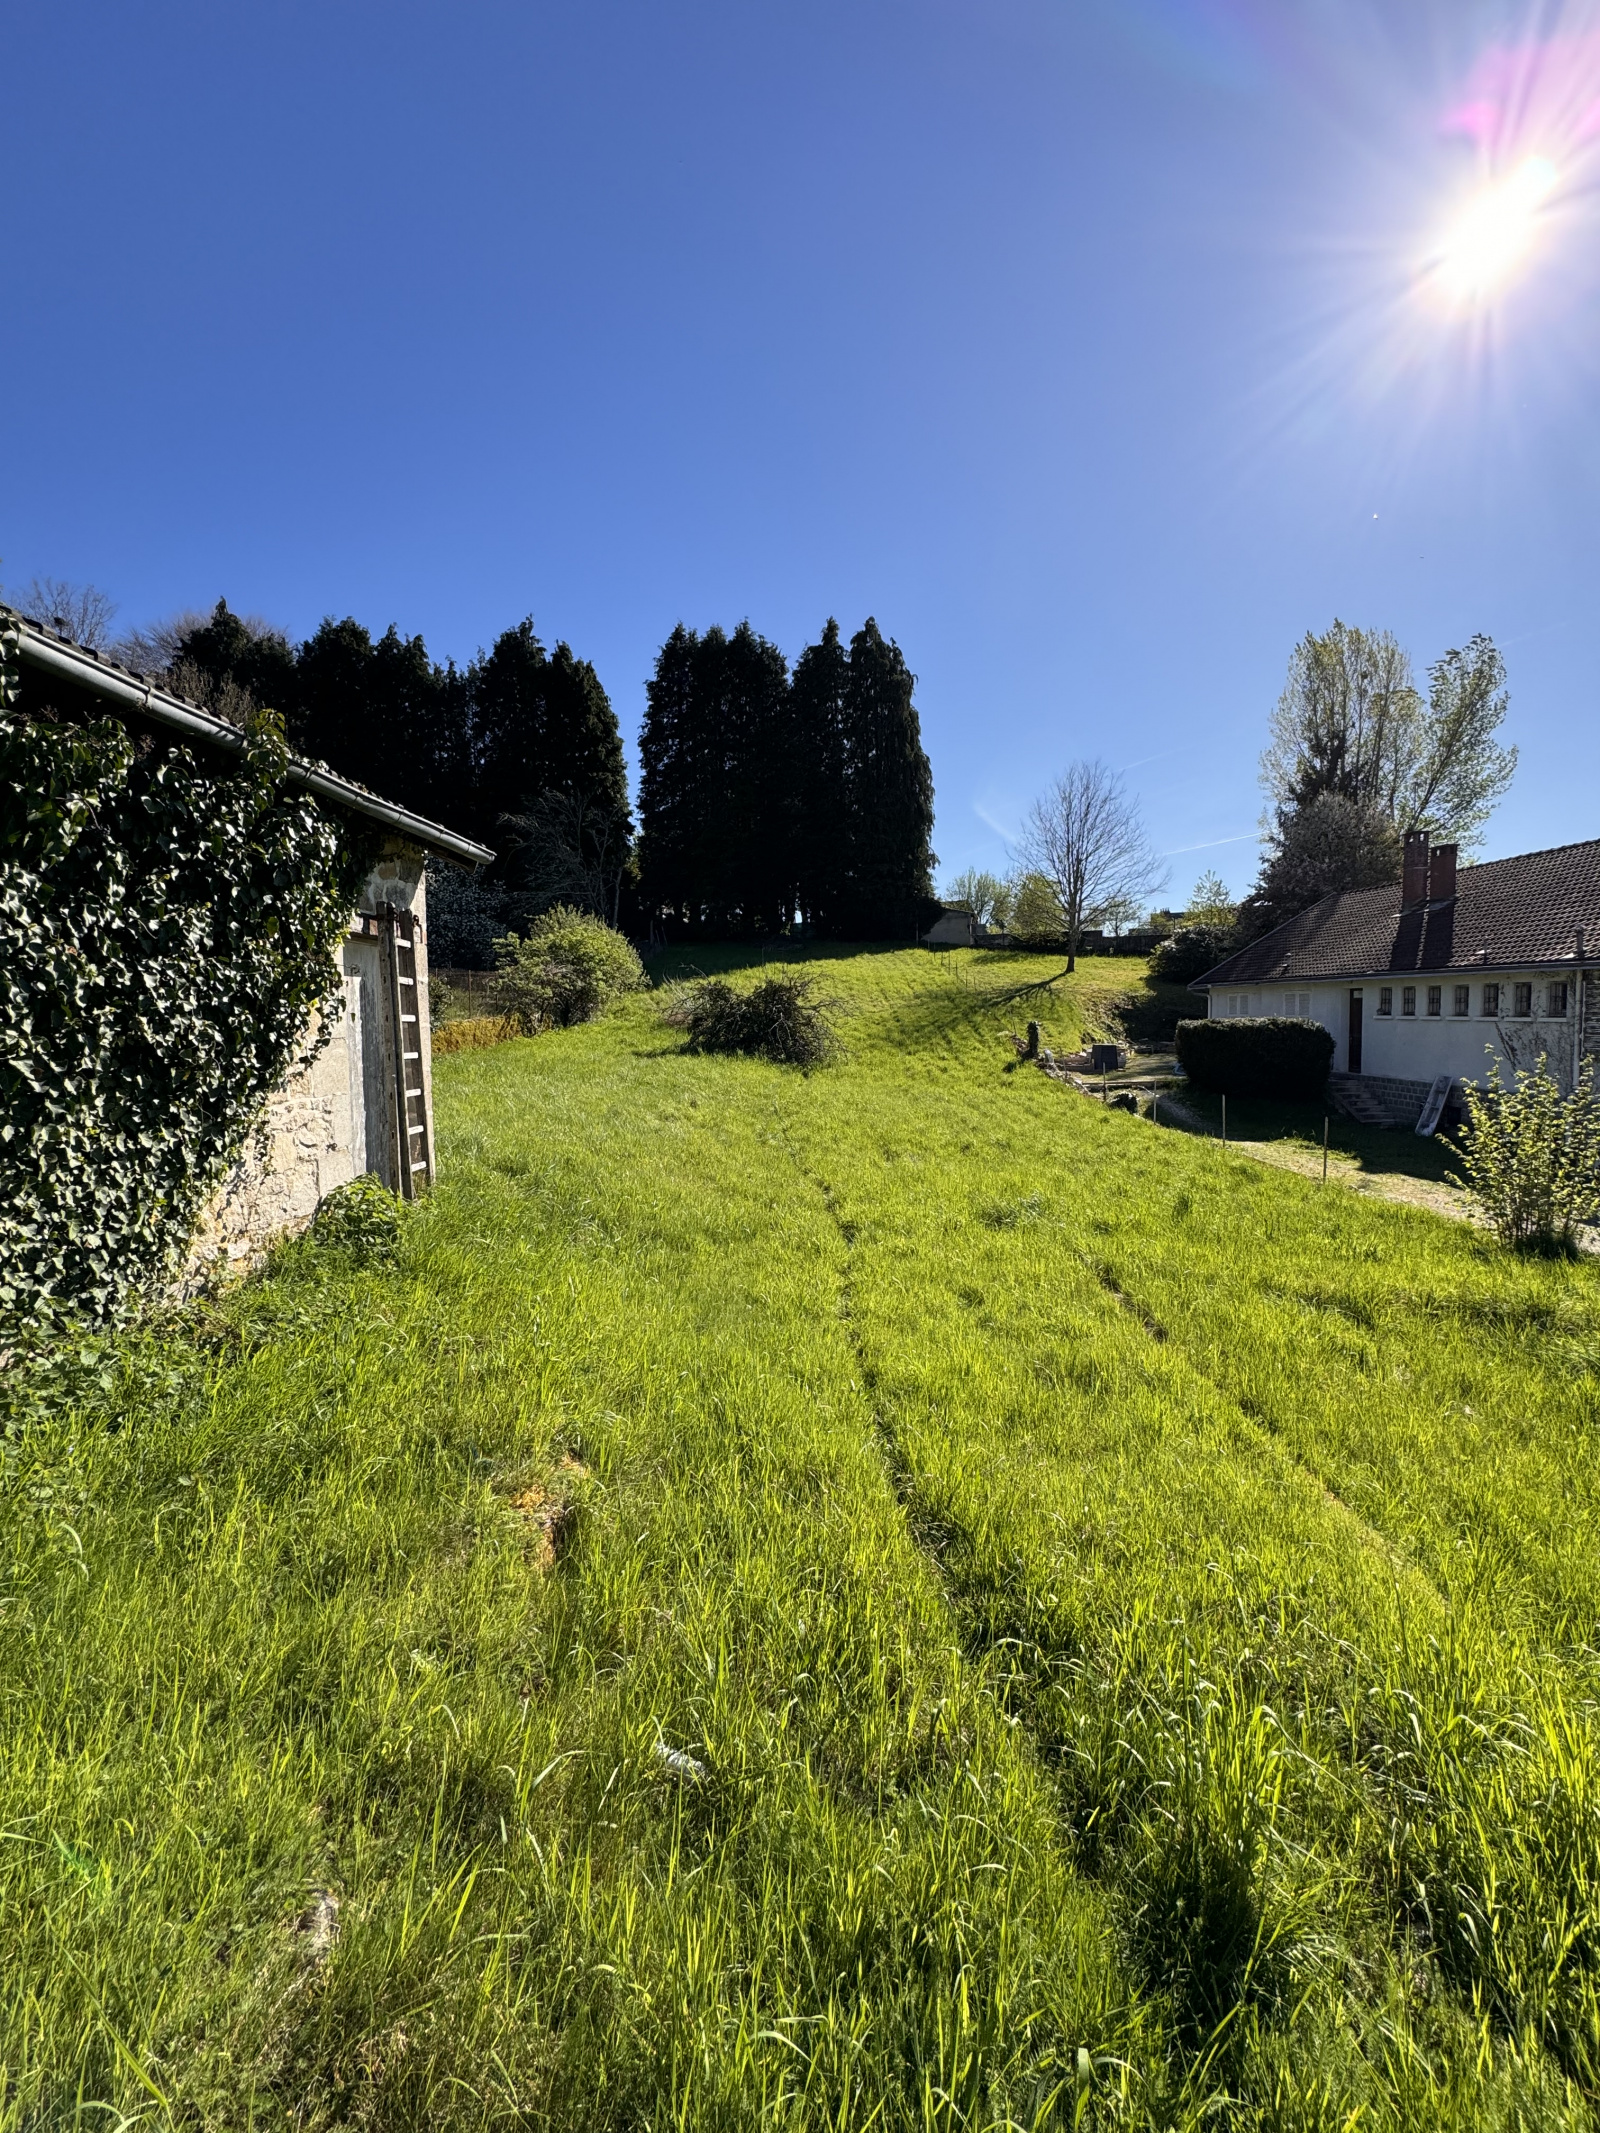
{"points": [[1531, 1158], [777, 1019], [1267, 1055], [363, 1217], [1191, 952], [564, 969]]}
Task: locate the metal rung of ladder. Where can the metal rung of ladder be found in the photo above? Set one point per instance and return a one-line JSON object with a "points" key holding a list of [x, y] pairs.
{"points": [[412, 1139]]}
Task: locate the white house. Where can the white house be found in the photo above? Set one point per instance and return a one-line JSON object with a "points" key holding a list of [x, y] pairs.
{"points": [[1500, 958]]}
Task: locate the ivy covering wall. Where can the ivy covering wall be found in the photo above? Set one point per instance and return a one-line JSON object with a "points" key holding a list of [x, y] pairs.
{"points": [[168, 925]]}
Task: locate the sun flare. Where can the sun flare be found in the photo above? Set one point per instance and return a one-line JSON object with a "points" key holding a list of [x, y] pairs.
{"points": [[1495, 234]]}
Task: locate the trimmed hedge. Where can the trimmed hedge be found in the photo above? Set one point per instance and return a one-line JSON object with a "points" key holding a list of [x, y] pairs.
{"points": [[1266, 1055]]}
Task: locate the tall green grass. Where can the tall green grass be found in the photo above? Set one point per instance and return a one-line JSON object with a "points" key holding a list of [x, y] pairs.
{"points": [[1052, 1625]]}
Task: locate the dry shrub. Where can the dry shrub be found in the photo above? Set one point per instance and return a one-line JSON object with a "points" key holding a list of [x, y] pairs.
{"points": [[473, 1033], [778, 1019]]}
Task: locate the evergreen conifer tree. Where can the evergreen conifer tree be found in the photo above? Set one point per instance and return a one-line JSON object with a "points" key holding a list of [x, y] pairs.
{"points": [[717, 802], [890, 794], [820, 695]]}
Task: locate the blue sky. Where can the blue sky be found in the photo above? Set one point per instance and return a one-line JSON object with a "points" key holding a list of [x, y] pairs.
{"points": [[1089, 345]]}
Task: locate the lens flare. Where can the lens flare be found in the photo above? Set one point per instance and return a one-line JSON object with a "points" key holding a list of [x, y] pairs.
{"points": [[1495, 234]]}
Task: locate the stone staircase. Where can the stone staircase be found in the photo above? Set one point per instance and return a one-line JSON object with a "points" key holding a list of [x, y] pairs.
{"points": [[1377, 1102]]}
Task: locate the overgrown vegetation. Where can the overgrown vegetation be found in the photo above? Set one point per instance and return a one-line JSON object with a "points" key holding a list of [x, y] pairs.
{"points": [[778, 1018], [1190, 951], [1531, 1157], [472, 1033], [1258, 1055], [1049, 1624], [564, 969], [169, 922]]}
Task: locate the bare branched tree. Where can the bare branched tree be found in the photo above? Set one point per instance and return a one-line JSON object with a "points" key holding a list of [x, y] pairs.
{"points": [[81, 612], [985, 895], [155, 647], [1085, 838], [573, 850]]}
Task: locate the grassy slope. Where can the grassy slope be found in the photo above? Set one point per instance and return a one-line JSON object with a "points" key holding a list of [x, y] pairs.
{"points": [[1122, 1601]]}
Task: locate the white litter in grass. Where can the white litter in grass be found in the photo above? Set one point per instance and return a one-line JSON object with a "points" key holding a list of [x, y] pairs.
{"points": [[678, 1763], [320, 1924]]}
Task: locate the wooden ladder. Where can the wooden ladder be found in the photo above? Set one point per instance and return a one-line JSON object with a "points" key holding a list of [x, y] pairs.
{"points": [[411, 1107]]}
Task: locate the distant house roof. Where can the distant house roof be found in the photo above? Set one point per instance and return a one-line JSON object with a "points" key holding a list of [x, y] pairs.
{"points": [[1507, 913], [130, 692]]}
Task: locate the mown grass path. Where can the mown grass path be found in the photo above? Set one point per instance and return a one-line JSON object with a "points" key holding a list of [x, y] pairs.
{"points": [[1053, 1624]]}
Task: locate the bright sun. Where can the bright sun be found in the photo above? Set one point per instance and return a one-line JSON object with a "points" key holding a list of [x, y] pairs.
{"points": [[1492, 237]]}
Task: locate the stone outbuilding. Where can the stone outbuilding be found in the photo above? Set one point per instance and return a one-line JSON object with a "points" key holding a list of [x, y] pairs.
{"points": [[365, 1105]]}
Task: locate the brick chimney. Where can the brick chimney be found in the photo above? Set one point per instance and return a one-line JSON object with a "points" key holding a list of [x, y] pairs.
{"points": [[1441, 873], [1414, 870]]}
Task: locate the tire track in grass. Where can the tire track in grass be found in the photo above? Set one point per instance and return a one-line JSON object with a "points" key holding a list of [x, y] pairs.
{"points": [[1383, 1545], [1239, 1941]]}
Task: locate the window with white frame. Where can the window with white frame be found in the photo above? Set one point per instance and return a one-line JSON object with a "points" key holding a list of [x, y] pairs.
{"points": [[1491, 999], [1386, 999], [1436, 999], [1408, 999], [1297, 1003], [1522, 999], [1463, 1004], [1555, 999]]}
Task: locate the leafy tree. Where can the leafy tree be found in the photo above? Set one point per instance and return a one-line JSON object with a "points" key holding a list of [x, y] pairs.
{"points": [[761, 797], [985, 895], [1084, 837], [1191, 951], [521, 733], [1352, 723], [1037, 917], [1330, 844], [1209, 903]]}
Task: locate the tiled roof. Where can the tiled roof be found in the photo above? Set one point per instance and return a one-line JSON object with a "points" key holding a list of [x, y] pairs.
{"points": [[102, 676], [1505, 914]]}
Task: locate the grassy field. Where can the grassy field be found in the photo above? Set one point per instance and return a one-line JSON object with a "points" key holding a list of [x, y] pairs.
{"points": [[891, 1598]]}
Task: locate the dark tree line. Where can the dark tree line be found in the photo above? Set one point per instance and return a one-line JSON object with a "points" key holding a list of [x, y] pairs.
{"points": [[766, 797], [520, 749]]}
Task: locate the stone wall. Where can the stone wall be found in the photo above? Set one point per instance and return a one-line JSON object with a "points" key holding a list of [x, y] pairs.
{"points": [[334, 1120], [301, 1149]]}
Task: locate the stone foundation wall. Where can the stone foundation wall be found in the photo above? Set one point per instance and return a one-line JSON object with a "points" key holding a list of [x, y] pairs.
{"points": [[300, 1150]]}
